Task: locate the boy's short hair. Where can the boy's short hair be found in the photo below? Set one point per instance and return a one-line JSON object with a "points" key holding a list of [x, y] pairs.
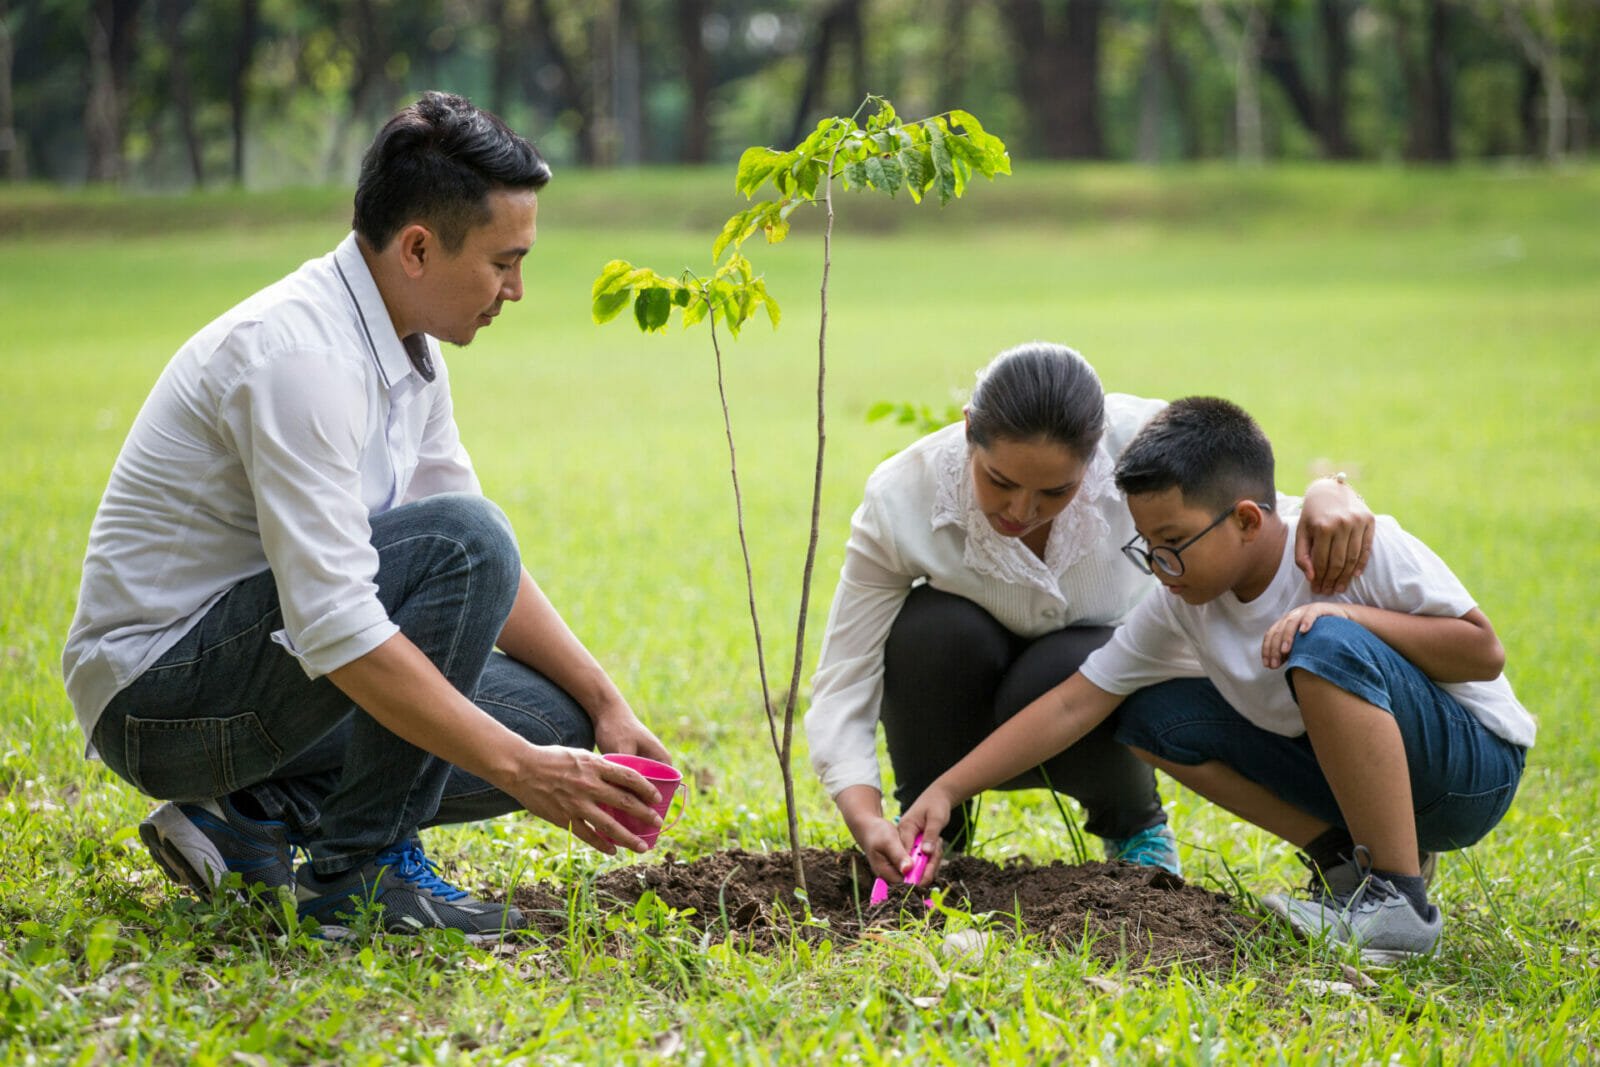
{"points": [[436, 162], [1207, 447]]}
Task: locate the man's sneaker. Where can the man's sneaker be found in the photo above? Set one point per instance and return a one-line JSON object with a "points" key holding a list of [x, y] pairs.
{"points": [[198, 845], [1154, 847], [406, 886], [1375, 918]]}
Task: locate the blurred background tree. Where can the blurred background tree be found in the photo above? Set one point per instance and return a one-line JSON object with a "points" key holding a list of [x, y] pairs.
{"points": [[262, 93]]}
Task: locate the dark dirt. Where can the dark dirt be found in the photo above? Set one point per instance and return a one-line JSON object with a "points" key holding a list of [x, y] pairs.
{"points": [[1142, 914]]}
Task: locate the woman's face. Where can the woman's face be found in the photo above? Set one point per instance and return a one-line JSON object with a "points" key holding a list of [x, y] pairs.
{"points": [[1022, 485]]}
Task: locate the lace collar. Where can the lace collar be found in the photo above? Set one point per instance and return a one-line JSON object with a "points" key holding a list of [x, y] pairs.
{"points": [[1073, 535]]}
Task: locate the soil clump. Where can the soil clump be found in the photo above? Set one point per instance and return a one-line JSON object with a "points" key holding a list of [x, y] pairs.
{"points": [[1142, 914]]}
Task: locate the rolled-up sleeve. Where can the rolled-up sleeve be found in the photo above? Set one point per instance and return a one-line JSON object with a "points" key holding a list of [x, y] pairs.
{"points": [[846, 691], [298, 423]]}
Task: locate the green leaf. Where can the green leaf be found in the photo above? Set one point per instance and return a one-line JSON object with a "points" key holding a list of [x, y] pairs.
{"points": [[608, 305], [610, 278], [919, 171], [855, 175], [755, 167], [652, 308], [879, 410], [943, 165], [884, 174], [734, 231]]}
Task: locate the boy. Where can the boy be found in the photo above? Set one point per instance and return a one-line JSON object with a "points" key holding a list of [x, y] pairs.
{"points": [[1369, 728]]}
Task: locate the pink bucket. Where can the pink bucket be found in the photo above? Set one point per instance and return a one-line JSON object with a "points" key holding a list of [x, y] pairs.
{"points": [[665, 778]]}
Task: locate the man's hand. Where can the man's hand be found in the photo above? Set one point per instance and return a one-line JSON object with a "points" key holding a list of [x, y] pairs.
{"points": [[619, 730], [566, 786], [1333, 539]]}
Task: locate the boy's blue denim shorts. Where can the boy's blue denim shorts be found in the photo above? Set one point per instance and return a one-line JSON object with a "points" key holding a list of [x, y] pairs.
{"points": [[1462, 776]]}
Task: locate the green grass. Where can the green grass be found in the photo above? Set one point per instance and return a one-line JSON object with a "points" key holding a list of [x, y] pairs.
{"points": [[1434, 334]]}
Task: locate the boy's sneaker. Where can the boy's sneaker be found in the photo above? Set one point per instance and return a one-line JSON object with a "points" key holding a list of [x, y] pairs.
{"points": [[1375, 918], [1153, 847], [406, 885], [1338, 882], [198, 845]]}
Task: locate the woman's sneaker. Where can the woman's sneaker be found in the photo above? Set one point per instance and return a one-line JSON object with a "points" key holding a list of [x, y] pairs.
{"points": [[1154, 847], [199, 845], [405, 886]]}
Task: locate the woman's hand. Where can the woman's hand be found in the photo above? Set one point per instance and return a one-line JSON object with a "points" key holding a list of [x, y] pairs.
{"points": [[929, 815], [1281, 634], [1333, 539], [880, 841]]}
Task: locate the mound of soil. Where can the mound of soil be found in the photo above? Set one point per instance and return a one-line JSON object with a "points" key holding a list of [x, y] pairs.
{"points": [[1142, 914]]}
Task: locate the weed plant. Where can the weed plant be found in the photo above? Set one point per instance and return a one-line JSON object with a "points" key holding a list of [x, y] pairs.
{"points": [[1433, 334]]}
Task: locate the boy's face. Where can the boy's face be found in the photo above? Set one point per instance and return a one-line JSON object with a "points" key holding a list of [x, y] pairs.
{"points": [[1214, 561]]}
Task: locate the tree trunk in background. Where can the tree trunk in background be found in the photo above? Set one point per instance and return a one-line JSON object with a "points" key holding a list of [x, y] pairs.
{"points": [[953, 64], [1426, 72], [1332, 126], [370, 45], [1541, 45], [12, 166], [691, 16], [110, 33], [840, 22], [1155, 87], [1058, 75], [627, 86], [172, 13], [575, 89], [1241, 50]]}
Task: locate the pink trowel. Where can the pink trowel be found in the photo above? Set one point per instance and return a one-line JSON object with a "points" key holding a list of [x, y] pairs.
{"points": [[919, 863]]}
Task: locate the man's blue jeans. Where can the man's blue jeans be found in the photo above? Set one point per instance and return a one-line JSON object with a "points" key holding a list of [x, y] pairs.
{"points": [[1463, 777], [227, 710]]}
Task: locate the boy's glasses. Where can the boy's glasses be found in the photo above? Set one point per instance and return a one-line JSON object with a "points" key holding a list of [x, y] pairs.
{"points": [[1170, 560]]}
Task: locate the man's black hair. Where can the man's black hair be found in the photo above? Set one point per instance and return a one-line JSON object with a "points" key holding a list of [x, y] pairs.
{"points": [[1208, 448], [436, 162]]}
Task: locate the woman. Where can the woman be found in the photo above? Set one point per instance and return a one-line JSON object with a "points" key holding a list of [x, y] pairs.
{"points": [[984, 564]]}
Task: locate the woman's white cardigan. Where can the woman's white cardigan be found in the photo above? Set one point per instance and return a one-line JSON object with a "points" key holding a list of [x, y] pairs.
{"points": [[918, 522]]}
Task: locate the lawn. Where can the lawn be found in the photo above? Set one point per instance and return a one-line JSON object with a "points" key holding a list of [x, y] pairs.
{"points": [[1434, 334]]}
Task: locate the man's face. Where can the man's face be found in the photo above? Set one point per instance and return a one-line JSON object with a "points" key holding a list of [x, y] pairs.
{"points": [[463, 291], [1212, 559]]}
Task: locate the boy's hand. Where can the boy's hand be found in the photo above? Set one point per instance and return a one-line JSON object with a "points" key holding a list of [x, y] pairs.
{"points": [[927, 817], [1281, 634], [1333, 539]]}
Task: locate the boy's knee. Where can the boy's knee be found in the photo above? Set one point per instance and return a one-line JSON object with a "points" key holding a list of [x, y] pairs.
{"points": [[1329, 636]]}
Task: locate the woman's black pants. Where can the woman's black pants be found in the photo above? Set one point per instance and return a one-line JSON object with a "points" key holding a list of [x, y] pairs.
{"points": [[952, 674]]}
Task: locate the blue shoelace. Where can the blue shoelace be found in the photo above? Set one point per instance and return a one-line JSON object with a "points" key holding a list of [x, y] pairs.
{"points": [[410, 863], [1149, 847]]}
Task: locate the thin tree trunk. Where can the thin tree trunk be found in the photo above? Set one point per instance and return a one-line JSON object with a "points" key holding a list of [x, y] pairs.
{"points": [[953, 62], [627, 86], [244, 47], [1058, 74], [1429, 137], [574, 83]]}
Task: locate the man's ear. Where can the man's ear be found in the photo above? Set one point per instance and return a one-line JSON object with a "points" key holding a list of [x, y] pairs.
{"points": [[1250, 517], [415, 245]]}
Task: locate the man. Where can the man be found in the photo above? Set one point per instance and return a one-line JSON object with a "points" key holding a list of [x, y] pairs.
{"points": [[294, 589]]}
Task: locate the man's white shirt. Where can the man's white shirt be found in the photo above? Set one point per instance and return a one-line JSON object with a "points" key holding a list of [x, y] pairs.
{"points": [[267, 443]]}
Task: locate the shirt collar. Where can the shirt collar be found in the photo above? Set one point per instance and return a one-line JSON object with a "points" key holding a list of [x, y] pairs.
{"points": [[394, 366]]}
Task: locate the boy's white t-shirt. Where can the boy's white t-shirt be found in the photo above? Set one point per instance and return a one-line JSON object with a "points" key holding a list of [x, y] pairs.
{"points": [[1225, 635]]}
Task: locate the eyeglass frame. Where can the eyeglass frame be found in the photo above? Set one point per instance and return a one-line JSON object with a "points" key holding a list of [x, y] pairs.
{"points": [[1145, 559]]}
